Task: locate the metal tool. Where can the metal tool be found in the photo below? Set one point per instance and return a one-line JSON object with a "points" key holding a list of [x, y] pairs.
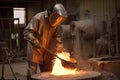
{"points": [[65, 64], [4, 48]]}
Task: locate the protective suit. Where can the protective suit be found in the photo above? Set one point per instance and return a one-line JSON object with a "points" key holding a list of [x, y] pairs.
{"points": [[42, 31]]}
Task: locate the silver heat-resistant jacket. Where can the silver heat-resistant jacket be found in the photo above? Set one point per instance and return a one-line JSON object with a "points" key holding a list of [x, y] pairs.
{"points": [[38, 25]]}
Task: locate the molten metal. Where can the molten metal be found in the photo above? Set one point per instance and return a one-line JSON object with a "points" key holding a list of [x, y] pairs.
{"points": [[58, 69]]}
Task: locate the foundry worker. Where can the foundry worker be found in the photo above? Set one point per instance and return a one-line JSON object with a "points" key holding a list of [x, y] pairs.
{"points": [[41, 30]]}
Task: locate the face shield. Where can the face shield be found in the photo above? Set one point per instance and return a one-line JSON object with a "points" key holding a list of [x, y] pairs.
{"points": [[58, 15], [55, 19]]}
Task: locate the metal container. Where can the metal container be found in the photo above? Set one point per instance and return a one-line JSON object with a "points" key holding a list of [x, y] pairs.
{"points": [[81, 75]]}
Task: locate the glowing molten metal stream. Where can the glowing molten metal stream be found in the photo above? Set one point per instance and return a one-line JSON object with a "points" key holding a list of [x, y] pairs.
{"points": [[58, 69]]}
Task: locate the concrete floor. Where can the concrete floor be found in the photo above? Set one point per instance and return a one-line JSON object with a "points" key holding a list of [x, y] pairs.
{"points": [[19, 68]]}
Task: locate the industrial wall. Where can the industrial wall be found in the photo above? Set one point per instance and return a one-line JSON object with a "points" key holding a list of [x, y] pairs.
{"points": [[104, 13], [98, 7]]}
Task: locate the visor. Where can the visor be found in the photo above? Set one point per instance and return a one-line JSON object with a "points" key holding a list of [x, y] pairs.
{"points": [[55, 19]]}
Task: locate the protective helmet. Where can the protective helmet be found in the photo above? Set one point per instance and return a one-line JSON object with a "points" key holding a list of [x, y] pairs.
{"points": [[58, 15]]}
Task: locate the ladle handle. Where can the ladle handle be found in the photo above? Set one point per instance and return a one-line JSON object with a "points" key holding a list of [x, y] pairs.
{"points": [[45, 49], [50, 52]]}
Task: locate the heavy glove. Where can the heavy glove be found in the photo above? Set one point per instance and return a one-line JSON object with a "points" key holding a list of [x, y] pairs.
{"points": [[36, 43]]}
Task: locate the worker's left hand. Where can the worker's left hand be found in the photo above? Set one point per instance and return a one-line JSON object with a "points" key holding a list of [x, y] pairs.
{"points": [[60, 48]]}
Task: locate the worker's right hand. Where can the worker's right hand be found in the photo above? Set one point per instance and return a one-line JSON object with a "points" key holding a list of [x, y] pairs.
{"points": [[36, 43]]}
